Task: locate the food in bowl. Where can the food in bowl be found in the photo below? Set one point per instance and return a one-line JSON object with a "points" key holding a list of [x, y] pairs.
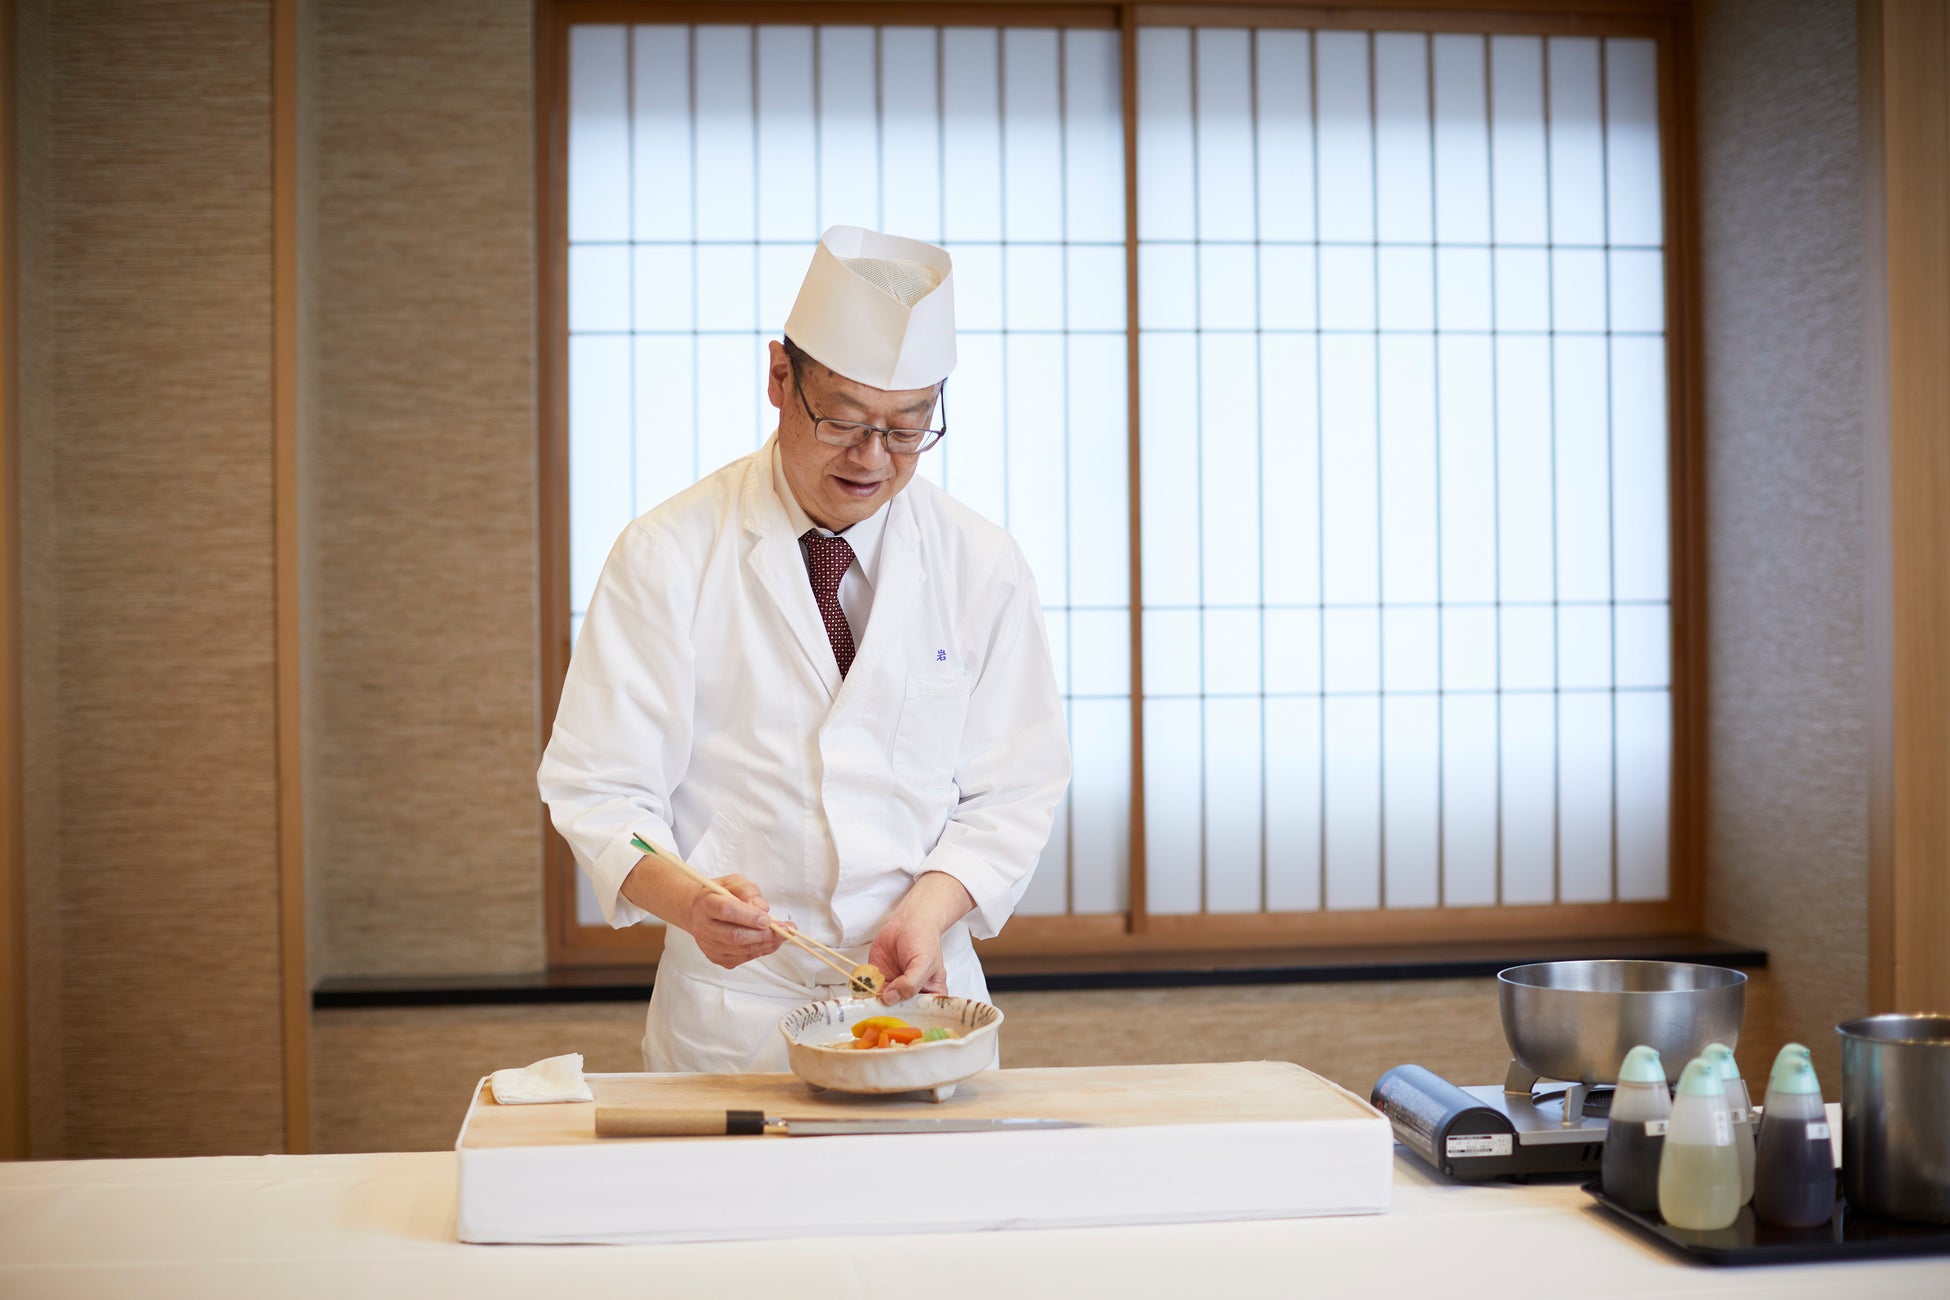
{"points": [[866, 981], [876, 1032]]}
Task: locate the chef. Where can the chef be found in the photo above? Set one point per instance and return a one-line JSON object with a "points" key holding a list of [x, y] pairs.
{"points": [[820, 680]]}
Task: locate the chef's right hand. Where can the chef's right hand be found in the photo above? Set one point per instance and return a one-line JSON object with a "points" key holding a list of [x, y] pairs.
{"points": [[732, 933]]}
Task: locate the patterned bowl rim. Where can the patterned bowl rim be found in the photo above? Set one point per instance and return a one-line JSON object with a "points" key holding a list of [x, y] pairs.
{"points": [[981, 1019]]}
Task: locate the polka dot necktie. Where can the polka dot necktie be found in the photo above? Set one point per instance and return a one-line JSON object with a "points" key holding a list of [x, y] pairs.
{"points": [[827, 561]]}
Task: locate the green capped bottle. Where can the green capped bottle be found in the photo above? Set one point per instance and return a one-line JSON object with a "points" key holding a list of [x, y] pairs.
{"points": [[1699, 1174], [1740, 1112], [1794, 1168], [1635, 1137]]}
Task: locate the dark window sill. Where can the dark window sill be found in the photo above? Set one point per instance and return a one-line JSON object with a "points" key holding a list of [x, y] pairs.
{"points": [[1046, 974]]}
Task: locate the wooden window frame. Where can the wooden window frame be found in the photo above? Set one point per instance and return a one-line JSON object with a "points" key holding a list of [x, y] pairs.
{"points": [[1666, 22]]}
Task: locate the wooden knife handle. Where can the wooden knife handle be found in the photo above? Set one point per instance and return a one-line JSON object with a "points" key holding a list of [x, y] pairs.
{"points": [[649, 1121]]}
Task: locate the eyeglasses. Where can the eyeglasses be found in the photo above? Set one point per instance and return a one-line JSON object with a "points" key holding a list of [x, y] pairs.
{"points": [[851, 433]]}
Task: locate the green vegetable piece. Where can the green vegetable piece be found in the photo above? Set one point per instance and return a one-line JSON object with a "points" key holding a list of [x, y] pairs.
{"points": [[936, 1035]]}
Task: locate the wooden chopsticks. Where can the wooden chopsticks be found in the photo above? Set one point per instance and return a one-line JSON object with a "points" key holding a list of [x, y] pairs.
{"points": [[791, 935]]}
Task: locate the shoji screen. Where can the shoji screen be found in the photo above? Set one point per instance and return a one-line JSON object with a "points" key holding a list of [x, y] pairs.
{"points": [[1404, 507], [703, 162], [1402, 480]]}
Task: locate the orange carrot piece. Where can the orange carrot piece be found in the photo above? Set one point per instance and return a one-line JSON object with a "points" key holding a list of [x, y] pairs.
{"points": [[871, 1038], [903, 1036]]}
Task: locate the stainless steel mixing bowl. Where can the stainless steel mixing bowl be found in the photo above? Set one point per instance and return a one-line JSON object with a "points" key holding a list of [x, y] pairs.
{"points": [[1576, 1020]]}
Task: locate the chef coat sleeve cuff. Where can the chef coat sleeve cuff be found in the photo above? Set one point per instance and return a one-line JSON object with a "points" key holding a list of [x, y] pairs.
{"points": [[612, 866], [993, 889]]}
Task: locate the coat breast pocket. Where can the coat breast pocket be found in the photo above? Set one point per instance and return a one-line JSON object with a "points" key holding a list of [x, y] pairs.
{"points": [[928, 738]]}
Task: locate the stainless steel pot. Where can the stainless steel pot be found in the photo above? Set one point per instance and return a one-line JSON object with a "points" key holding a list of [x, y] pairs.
{"points": [[1575, 1020], [1896, 1116]]}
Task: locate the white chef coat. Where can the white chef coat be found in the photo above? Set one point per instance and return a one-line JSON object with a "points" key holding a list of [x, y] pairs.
{"points": [[704, 711]]}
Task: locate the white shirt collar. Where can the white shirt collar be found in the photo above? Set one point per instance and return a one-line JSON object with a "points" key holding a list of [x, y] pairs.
{"points": [[864, 537]]}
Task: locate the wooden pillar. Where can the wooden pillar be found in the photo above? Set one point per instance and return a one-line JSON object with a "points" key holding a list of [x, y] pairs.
{"points": [[13, 838], [1905, 58], [294, 975]]}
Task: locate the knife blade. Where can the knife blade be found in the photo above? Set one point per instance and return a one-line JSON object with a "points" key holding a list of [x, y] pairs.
{"points": [[810, 1126], [647, 1121]]}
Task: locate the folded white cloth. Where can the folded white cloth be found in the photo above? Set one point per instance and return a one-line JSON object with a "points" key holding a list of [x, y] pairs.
{"points": [[559, 1078]]}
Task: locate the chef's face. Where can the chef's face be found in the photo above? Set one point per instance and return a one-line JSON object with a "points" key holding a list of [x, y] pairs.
{"points": [[840, 486]]}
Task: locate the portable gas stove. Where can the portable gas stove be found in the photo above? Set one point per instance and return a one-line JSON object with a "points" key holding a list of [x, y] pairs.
{"points": [[1563, 1020], [1526, 1126]]}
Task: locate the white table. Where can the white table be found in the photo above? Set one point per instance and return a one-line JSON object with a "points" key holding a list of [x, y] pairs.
{"points": [[367, 1226]]}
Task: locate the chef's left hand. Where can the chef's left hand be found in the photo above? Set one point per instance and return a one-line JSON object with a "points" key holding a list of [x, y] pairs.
{"points": [[909, 953], [908, 947]]}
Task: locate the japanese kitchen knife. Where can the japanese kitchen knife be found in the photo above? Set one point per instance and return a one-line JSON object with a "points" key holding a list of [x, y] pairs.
{"points": [[647, 1121]]}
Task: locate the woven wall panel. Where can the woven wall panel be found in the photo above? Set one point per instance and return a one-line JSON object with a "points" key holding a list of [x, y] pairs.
{"points": [[1350, 1033], [398, 1080], [39, 604], [1781, 236], [423, 830], [161, 211]]}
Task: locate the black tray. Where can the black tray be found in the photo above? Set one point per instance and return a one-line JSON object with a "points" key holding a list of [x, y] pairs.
{"points": [[1848, 1235]]}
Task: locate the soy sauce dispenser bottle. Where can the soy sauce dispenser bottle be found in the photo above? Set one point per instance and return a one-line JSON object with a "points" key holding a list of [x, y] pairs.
{"points": [[1794, 1169], [1636, 1135], [1699, 1174], [1740, 1110]]}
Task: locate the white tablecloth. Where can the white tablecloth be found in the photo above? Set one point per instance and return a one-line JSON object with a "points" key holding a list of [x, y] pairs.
{"points": [[367, 1226]]}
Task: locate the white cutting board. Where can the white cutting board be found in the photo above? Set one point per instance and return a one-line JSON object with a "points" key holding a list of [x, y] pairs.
{"points": [[1168, 1144]]}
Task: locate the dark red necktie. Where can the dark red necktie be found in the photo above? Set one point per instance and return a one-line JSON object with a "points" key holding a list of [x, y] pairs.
{"points": [[827, 560]]}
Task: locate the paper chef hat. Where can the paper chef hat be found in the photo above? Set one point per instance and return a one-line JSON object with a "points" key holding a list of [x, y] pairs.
{"points": [[878, 309]]}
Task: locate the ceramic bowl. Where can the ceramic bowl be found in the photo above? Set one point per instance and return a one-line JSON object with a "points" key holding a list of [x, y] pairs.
{"points": [[933, 1068]]}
